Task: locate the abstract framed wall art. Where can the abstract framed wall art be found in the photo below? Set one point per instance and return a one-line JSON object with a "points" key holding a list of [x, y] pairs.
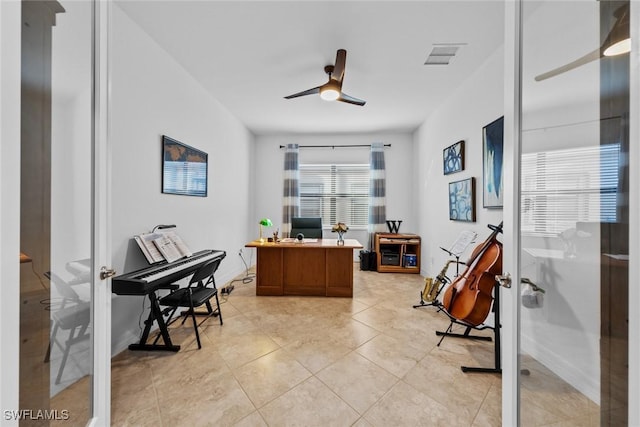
{"points": [[453, 158], [492, 173], [462, 195]]}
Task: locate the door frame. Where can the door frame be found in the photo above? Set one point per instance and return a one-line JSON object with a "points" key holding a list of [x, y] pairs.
{"points": [[510, 307], [634, 215], [101, 216], [10, 54]]}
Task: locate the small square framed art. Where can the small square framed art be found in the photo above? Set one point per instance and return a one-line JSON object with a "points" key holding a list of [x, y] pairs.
{"points": [[462, 195], [453, 158]]}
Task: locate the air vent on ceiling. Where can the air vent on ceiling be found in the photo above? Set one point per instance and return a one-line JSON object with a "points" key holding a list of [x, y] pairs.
{"points": [[441, 53]]}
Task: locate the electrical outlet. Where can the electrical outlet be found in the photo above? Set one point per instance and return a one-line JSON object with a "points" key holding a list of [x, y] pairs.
{"points": [[240, 252]]}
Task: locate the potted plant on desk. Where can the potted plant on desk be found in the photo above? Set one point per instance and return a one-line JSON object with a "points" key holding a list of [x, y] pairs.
{"points": [[340, 228]]}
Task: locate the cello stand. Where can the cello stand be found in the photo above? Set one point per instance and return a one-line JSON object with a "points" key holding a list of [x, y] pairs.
{"points": [[497, 369]]}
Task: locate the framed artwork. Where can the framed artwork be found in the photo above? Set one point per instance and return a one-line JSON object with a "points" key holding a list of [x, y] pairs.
{"points": [[492, 176], [453, 158], [462, 196]]}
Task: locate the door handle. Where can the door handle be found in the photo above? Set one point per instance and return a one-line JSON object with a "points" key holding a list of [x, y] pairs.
{"points": [[504, 280], [105, 273]]}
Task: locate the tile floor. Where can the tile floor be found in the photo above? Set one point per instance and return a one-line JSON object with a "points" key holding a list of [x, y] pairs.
{"points": [[372, 360]]}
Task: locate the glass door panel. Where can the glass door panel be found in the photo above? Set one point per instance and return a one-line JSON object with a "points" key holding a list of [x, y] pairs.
{"points": [[71, 197], [574, 215], [56, 213]]}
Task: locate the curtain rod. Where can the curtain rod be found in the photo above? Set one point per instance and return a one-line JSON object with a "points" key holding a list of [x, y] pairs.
{"points": [[335, 146]]}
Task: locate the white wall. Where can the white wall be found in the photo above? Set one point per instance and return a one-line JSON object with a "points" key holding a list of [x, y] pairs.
{"points": [[153, 95], [476, 103], [270, 160]]}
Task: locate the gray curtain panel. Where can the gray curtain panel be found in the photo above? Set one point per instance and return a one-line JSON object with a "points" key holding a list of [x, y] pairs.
{"points": [[377, 192], [291, 193]]}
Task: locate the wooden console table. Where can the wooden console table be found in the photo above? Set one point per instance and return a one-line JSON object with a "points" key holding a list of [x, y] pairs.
{"points": [[320, 268], [393, 250]]}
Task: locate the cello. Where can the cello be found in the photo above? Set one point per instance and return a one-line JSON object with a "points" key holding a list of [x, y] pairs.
{"points": [[470, 295]]}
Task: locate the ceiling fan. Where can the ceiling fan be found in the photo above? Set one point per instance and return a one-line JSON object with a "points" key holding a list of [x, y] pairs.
{"points": [[332, 90], [616, 43]]}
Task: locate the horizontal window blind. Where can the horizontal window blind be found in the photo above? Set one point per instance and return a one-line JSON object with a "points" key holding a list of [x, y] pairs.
{"points": [[562, 187], [336, 193]]}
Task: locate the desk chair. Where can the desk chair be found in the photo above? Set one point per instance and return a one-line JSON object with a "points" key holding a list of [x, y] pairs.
{"points": [[74, 315], [197, 293], [311, 228]]}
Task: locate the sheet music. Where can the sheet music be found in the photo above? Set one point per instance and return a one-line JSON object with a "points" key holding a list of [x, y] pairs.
{"points": [[150, 251], [179, 244], [167, 248], [162, 245], [466, 238]]}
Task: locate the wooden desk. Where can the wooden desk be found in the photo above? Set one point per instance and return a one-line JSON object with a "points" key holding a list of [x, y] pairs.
{"points": [[321, 268]]}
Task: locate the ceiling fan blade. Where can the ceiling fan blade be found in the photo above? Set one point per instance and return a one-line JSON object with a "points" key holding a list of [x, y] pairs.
{"points": [[304, 92], [592, 56], [350, 99], [338, 69]]}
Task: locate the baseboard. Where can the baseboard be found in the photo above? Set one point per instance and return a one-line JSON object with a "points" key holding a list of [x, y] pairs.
{"points": [[123, 343]]}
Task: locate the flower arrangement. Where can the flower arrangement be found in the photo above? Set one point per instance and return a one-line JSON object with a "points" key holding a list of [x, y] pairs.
{"points": [[340, 228]]}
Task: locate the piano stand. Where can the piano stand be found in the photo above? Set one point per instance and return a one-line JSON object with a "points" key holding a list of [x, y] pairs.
{"points": [[155, 314], [148, 280]]}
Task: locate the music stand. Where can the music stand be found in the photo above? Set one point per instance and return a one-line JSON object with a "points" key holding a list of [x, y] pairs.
{"points": [[459, 246]]}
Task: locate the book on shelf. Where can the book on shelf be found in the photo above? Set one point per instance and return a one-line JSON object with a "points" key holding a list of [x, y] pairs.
{"points": [[162, 246]]}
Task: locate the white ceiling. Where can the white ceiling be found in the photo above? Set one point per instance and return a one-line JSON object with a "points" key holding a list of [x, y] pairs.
{"points": [[249, 55]]}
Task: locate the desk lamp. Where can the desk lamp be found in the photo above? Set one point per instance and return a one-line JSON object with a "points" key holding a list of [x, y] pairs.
{"points": [[162, 227], [266, 222]]}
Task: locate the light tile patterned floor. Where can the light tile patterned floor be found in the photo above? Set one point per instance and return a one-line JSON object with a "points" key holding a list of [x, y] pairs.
{"points": [[372, 360]]}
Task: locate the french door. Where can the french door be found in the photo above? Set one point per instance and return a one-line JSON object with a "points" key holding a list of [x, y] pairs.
{"points": [[568, 213]]}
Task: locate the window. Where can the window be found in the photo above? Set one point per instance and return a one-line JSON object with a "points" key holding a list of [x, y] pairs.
{"points": [[562, 187], [336, 193]]}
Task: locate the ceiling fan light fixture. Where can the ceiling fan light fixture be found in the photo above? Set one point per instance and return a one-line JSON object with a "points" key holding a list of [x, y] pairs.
{"points": [[329, 94], [618, 48], [330, 91]]}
